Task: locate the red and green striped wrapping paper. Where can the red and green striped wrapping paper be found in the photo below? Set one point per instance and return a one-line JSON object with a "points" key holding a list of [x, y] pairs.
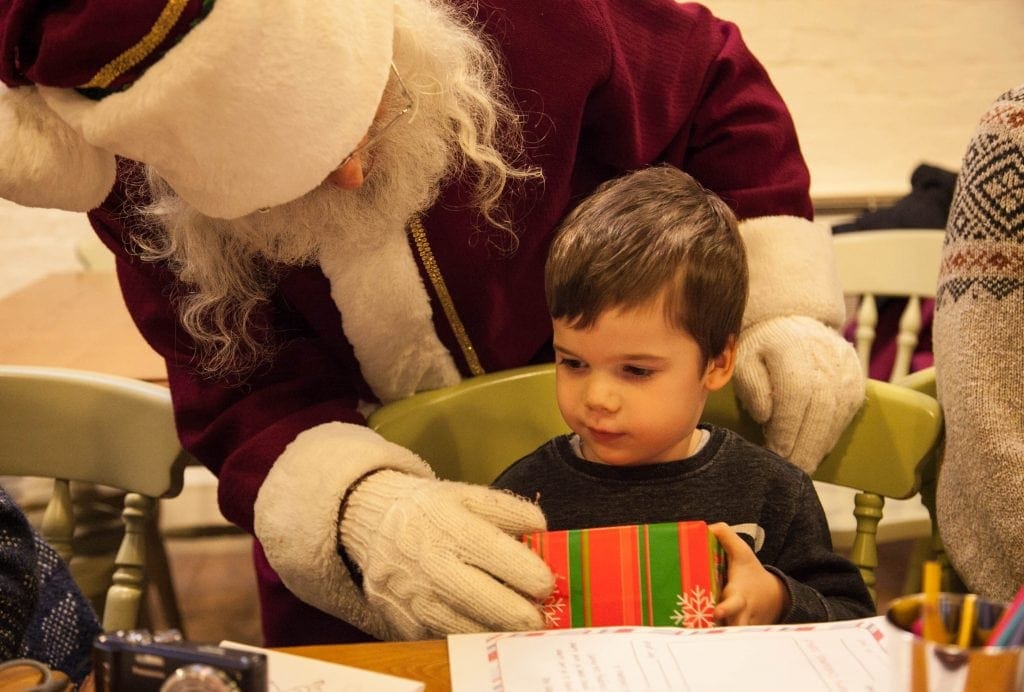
{"points": [[648, 574]]}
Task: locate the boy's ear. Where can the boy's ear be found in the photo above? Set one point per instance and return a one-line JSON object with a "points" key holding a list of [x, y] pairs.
{"points": [[719, 368]]}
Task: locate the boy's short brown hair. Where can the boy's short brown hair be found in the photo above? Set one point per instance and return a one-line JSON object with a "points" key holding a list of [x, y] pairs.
{"points": [[656, 229]]}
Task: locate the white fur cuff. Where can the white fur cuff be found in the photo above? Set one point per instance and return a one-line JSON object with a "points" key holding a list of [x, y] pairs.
{"points": [[389, 323], [296, 513], [792, 270], [43, 162]]}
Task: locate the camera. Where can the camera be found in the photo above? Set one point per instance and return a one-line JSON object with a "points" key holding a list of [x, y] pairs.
{"points": [[141, 662]]}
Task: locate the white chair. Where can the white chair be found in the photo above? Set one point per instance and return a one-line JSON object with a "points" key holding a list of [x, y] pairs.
{"points": [[900, 263], [104, 430], [194, 513]]}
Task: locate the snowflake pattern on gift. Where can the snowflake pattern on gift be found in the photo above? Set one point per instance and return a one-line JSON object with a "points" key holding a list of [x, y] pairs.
{"points": [[695, 609], [554, 610], [554, 606]]}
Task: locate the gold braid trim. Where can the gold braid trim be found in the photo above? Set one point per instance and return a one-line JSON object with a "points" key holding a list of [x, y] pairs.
{"points": [[131, 57], [419, 236]]}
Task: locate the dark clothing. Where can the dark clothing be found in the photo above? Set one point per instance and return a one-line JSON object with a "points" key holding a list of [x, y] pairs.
{"points": [[769, 502], [43, 615], [927, 205]]}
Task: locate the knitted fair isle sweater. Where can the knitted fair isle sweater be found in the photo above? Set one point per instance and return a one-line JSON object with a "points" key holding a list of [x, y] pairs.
{"points": [[979, 361], [769, 502], [43, 615]]}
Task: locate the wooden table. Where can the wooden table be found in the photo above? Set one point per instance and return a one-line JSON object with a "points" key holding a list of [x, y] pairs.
{"points": [[426, 661], [23, 677], [76, 320]]}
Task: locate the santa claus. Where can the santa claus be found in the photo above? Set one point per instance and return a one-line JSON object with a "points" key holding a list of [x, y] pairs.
{"points": [[318, 206]]}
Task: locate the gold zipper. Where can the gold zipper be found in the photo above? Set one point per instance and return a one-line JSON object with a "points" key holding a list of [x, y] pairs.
{"points": [[419, 236]]}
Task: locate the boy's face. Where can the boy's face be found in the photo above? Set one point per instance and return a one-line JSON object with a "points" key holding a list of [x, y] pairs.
{"points": [[632, 386]]}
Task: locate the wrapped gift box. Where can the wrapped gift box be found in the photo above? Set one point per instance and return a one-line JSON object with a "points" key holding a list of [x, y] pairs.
{"points": [[649, 574]]}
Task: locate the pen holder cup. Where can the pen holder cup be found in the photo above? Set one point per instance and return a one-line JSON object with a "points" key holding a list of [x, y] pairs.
{"points": [[919, 664]]}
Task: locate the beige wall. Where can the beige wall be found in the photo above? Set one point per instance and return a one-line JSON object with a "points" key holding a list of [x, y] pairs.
{"points": [[877, 86]]}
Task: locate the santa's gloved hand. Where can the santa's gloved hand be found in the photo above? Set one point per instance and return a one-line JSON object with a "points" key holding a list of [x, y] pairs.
{"points": [[440, 557], [804, 380]]}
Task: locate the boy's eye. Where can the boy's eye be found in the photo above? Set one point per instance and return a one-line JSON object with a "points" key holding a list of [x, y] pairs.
{"points": [[637, 371], [570, 363]]}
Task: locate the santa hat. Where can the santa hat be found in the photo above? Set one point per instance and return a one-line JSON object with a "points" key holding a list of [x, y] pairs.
{"points": [[237, 104]]}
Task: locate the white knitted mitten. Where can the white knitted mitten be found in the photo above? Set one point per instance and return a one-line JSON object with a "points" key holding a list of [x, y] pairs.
{"points": [[439, 557], [794, 371], [803, 379]]}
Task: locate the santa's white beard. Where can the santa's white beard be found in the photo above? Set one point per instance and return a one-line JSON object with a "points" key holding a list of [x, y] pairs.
{"points": [[358, 237], [221, 260], [458, 119]]}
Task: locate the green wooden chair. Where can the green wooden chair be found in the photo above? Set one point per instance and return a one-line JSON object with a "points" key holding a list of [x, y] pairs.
{"points": [[924, 381], [102, 430], [894, 262], [473, 430]]}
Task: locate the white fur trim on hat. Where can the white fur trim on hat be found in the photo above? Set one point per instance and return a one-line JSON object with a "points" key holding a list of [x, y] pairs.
{"points": [[296, 513], [254, 107], [792, 269], [43, 162]]}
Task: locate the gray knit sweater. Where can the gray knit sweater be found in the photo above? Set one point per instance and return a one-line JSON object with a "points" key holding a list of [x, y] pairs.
{"points": [[979, 359], [771, 503]]}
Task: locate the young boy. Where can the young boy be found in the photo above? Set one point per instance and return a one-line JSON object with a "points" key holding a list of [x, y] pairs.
{"points": [[646, 284]]}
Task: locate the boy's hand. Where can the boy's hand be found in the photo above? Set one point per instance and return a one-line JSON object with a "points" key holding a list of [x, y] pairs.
{"points": [[752, 594]]}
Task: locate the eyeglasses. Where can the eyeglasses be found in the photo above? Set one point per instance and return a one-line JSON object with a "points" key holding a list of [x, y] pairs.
{"points": [[377, 132]]}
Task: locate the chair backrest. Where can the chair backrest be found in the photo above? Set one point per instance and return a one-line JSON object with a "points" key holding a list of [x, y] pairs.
{"points": [[898, 262], [72, 425], [473, 430]]}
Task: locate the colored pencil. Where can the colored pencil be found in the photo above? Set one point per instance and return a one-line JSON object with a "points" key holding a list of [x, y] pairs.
{"points": [[1014, 609], [1014, 630], [934, 631], [1016, 637], [963, 639]]}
